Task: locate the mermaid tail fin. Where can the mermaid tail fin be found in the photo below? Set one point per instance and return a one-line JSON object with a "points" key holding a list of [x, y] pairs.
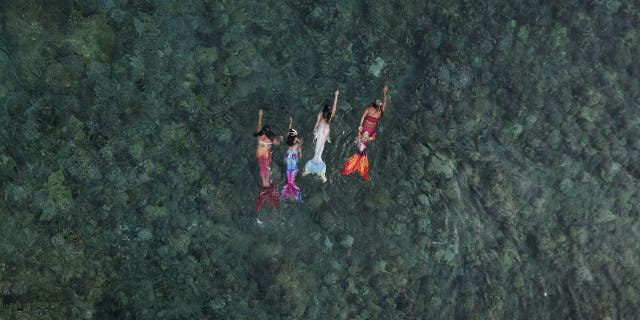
{"points": [[351, 163], [316, 167], [291, 191], [268, 195], [358, 161], [363, 167]]}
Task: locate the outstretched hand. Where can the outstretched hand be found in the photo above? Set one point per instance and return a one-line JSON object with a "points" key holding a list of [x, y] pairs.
{"points": [[337, 92], [385, 89], [260, 112]]}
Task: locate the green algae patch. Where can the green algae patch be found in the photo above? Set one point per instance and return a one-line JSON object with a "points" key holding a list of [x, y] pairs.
{"points": [[93, 39], [58, 192]]}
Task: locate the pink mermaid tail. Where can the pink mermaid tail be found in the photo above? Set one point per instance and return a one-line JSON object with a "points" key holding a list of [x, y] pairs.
{"points": [[291, 190], [268, 195]]}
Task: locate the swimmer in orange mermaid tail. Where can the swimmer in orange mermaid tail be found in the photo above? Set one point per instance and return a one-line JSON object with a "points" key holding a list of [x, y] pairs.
{"points": [[265, 137], [366, 132], [293, 155]]}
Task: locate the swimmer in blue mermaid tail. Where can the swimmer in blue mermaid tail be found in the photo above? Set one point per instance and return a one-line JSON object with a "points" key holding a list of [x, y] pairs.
{"points": [[294, 153], [321, 134]]}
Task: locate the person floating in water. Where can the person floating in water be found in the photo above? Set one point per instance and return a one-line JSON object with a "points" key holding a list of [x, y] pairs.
{"points": [[321, 134], [268, 193], [294, 153], [366, 133]]}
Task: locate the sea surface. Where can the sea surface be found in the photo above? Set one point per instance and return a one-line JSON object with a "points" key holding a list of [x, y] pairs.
{"points": [[504, 174]]}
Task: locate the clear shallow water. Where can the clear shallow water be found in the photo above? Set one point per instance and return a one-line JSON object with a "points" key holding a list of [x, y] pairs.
{"points": [[504, 176]]}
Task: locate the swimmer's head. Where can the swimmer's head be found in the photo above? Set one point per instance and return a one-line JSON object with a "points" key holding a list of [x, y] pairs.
{"points": [[291, 137], [266, 130], [376, 104], [326, 112]]}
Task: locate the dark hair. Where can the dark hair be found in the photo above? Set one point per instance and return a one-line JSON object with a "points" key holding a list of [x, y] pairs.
{"points": [[376, 106], [326, 112], [291, 138], [267, 132]]}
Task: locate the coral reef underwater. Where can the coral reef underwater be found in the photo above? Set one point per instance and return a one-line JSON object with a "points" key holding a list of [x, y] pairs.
{"points": [[504, 177]]}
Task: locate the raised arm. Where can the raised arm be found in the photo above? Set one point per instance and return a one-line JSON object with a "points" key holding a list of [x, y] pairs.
{"points": [[259, 127], [384, 101], [290, 123], [335, 105], [317, 120]]}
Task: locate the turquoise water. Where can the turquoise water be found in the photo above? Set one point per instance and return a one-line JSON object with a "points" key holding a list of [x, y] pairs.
{"points": [[504, 178]]}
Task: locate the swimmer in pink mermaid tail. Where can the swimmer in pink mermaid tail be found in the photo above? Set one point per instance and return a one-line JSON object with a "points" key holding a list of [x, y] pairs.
{"points": [[265, 137], [293, 155], [321, 134], [366, 132]]}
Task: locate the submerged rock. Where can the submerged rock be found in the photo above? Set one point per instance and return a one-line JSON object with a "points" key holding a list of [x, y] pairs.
{"points": [[376, 68], [93, 39], [523, 33], [267, 250], [422, 150], [423, 200], [145, 234], [327, 243], [180, 242], [441, 165], [58, 192], [380, 267], [217, 304], [292, 290], [347, 242]]}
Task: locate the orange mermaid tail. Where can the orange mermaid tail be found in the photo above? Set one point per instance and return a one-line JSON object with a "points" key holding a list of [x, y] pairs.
{"points": [[358, 161]]}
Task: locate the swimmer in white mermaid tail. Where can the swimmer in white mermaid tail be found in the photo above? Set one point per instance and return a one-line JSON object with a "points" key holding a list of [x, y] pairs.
{"points": [[321, 134]]}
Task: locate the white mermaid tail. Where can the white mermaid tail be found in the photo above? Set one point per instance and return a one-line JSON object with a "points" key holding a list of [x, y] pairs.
{"points": [[316, 165]]}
